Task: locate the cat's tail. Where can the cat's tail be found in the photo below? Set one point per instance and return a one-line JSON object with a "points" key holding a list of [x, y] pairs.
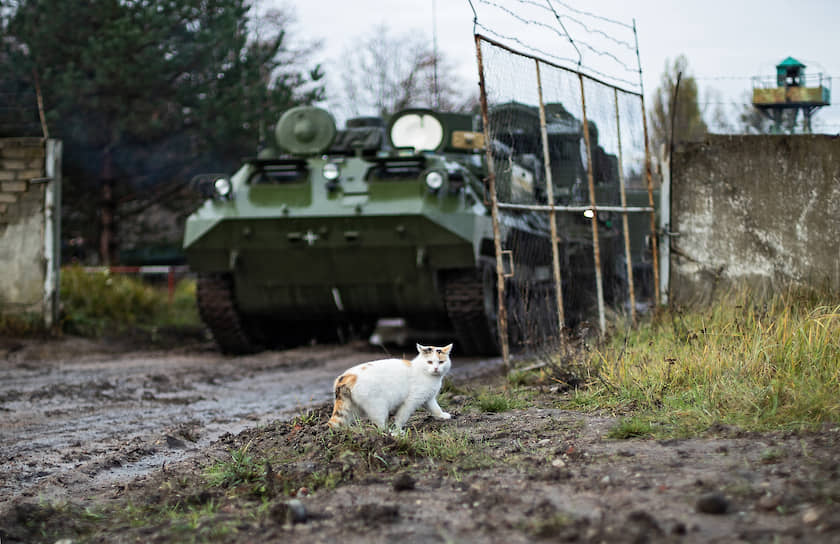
{"points": [[343, 407]]}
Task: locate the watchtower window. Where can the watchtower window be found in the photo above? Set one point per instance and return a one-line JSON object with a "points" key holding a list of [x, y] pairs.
{"points": [[792, 79]]}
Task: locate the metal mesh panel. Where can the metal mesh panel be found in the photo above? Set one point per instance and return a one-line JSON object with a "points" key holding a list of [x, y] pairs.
{"points": [[561, 145], [631, 119]]}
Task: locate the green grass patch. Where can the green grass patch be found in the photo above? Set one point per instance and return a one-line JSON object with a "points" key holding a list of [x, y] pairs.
{"points": [[241, 469], [547, 527], [18, 326], [96, 303], [755, 365], [632, 427], [501, 401]]}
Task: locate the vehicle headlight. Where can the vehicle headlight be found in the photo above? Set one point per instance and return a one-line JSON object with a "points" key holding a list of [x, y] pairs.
{"points": [[223, 187], [331, 171], [434, 180]]}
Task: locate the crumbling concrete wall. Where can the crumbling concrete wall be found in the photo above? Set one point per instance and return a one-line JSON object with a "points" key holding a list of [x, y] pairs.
{"points": [[756, 210], [28, 227]]}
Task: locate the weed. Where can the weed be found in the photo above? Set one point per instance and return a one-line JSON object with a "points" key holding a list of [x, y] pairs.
{"points": [[311, 417], [758, 365], [632, 427], [772, 455], [490, 401], [549, 526], [21, 325], [449, 388], [99, 302], [241, 470]]}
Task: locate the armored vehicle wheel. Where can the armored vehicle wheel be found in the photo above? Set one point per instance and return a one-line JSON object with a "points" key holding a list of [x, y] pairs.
{"points": [[217, 308], [470, 297]]}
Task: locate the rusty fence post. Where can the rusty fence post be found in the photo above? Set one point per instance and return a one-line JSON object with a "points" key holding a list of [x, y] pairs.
{"points": [[596, 246], [494, 212], [552, 218], [624, 220], [649, 178]]}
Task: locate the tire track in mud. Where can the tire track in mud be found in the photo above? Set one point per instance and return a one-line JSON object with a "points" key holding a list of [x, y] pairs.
{"points": [[76, 420]]}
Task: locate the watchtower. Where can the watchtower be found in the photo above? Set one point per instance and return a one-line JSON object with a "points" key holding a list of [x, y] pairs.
{"points": [[792, 90]]}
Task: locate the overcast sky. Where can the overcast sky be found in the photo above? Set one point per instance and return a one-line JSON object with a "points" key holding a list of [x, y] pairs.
{"points": [[725, 41]]}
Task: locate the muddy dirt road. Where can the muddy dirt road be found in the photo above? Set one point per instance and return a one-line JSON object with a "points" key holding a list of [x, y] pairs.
{"points": [[80, 420], [78, 416]]}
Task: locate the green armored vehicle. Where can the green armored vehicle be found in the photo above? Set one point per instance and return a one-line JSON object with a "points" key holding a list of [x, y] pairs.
{"points": [[327, 231]]}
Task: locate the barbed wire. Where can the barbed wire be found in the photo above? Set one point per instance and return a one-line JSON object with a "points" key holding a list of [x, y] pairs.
{"points": [[595, 16], [522, 19], [629, 46], [516, 40], [546, 8], [722, 78], [578, 11], [555, 58]]}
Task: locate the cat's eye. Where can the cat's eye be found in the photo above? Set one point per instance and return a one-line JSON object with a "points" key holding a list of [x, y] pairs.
{"points": [[430, 362]]}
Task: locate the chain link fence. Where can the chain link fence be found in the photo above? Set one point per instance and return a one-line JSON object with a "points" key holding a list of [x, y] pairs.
{"points": [[571, 194]]}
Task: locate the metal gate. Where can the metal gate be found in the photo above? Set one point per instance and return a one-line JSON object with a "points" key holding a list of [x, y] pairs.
{"points": [[571, 195]]}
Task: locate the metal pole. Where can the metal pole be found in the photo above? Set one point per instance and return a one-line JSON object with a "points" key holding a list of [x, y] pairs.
{"points": [[581, 209], [649, 178], [596, 246], [494, 213], [624, 221], [552, 218]]}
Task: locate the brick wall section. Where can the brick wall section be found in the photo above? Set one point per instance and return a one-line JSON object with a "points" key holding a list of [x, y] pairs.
{"points": [[21, 160], [22, 224]]}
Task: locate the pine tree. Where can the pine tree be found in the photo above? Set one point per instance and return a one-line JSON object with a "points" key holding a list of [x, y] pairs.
{"points": [[145, 93]]}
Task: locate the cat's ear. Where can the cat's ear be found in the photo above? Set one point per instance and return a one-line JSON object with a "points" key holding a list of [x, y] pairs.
{"points": [[421, 349], [447, 349]]}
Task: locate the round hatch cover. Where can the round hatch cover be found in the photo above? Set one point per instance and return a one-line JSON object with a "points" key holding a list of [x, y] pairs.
{"points": [[305, 130]]}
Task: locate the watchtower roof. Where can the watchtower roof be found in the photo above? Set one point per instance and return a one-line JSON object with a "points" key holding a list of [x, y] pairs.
{"points": [[790, 62]]}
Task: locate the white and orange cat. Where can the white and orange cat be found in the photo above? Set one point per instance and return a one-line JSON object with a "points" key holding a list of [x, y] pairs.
{"points": [[392, 386]]}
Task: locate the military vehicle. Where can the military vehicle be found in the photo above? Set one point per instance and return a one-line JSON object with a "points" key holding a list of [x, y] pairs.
{"points": [[328, 230]]}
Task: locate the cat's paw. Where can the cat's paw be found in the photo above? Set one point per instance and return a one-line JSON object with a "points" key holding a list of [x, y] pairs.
{"points": [[444, 415]]}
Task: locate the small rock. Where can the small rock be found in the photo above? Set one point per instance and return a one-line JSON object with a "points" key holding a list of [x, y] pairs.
{"points": [[175, 443], [679, 528], [404, 482], [558, 463], [296, 512], [379, 513], [712, 503], [769, 501], [642, 526], [811, 516]]}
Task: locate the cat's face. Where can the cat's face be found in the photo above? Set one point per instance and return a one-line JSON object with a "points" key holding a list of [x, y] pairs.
{"points": [[435, 360]]}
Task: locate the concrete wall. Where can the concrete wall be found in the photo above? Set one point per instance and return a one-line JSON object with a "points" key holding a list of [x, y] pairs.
{"points": [[29, 181], [762, 210]]}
